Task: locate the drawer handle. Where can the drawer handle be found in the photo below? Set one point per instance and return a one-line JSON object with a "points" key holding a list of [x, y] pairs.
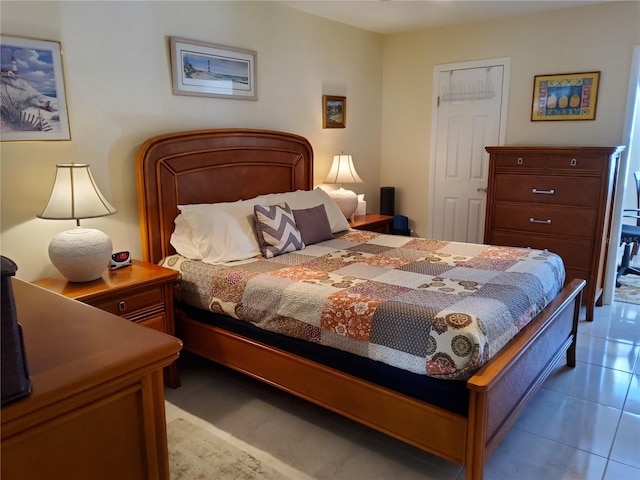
{"points": [[544, 222], [122, 306], [520, 160], [544, 192], [574, 162]]}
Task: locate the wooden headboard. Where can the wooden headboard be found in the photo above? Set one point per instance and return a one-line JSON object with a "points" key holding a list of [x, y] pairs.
{"points": [[209, 166]]}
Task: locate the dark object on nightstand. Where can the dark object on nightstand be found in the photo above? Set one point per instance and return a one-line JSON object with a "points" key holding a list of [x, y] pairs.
{"points": [[15, 374], [400, 226], [387, 201]]}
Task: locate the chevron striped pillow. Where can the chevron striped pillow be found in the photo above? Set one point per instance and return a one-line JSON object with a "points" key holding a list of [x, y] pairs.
{"points": [[276, 229]]}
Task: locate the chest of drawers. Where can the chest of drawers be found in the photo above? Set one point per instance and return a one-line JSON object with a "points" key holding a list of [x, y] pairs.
{"points": [[555, 198]]}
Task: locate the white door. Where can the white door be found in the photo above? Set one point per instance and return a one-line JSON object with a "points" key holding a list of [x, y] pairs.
{"points": [[470, 115]]}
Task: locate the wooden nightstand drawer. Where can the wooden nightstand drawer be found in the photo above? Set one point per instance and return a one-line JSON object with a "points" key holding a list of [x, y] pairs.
{"points": [[157, 322], [131, 301], [372, 223]]}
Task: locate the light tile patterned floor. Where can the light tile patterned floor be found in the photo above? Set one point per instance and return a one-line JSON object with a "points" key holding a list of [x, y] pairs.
{"points": [[583, 424]]}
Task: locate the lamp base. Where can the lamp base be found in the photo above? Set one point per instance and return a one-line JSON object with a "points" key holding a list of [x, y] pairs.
{"points": [[81, 254], [346, 200]]}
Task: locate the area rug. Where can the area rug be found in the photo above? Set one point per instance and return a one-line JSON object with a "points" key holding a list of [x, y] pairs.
{"points": [[200, 451], [629, 289]]}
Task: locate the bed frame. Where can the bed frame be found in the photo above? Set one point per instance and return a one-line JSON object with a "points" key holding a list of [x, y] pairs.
{"points": [[208, 166]]}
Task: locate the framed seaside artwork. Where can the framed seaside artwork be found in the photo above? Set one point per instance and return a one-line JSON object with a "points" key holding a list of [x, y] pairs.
{"points": [[209, 70], [567, 96], [33, 104], [334, 111]]}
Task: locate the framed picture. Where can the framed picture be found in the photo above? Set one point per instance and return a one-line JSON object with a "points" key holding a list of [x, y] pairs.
{"points": [[33, 104], [334, 111], [209, 70], [568, 96]]}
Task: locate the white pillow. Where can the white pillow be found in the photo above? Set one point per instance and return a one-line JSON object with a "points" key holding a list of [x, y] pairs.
{"points": [[302, 199], [182, 239], [222, 232]]}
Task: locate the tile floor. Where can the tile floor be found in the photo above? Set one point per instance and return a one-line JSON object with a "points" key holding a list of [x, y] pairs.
{"points": [[583, 424]]}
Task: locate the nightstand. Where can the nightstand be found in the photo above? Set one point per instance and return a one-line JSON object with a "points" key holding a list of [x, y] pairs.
{"points": [[372, 223], [142, 293]]}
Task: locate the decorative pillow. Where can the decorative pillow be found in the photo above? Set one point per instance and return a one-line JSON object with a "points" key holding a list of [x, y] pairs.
{"points": [[313, 224], [276, 230], [222, 232], [301, 199]]}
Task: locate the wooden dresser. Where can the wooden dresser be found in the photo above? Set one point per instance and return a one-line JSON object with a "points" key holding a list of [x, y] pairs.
{"points": [[96, 409], [559, 199]]}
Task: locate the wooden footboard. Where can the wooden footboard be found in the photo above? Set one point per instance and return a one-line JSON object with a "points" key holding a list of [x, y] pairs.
{"points": [[502, 388], [499, 391]]}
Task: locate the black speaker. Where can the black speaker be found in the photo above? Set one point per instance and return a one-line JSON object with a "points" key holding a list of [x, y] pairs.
{"points": [[387, 200]]}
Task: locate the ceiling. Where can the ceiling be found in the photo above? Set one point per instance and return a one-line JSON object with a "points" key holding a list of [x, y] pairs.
{"points": [[393, 16]]}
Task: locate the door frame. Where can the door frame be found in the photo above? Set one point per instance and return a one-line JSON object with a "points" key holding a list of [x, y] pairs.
{"points": [[630, 138], [445, 67]]}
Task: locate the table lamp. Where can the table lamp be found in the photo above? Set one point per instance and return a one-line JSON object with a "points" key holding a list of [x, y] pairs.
{"points": [[343, 171], [81, 254]]}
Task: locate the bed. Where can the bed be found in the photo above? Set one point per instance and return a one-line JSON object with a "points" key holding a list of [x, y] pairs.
{"points": [[226, 165]]}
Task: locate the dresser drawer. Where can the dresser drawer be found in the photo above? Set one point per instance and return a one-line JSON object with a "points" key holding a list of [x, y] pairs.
{"points": [[549, 190], [131, 301], [520, 160], [574, 253], [584, 163], [574, 222]]}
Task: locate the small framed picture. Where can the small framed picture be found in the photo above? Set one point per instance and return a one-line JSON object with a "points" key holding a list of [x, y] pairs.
{"points": [[567, 96], [334, 111], [209, 70], [33, 104]]}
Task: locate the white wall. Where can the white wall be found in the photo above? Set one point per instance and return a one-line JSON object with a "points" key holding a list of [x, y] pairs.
{"points": [[593, 38], [118, 85]]}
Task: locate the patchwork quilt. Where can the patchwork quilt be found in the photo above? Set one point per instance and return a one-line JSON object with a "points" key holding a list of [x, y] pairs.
{"points": [[431, 307]]}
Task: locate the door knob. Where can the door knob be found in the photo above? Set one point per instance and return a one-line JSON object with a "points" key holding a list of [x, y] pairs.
{"points": [[480, 189]]}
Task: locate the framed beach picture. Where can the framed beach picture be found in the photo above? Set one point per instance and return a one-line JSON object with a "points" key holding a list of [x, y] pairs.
{"points": [[567, 96], [33, 105], [334, 111], [210, 70]]}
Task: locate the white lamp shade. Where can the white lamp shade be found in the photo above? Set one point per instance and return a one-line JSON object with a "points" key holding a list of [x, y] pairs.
{"points": [[75, 195], [342, 170]]}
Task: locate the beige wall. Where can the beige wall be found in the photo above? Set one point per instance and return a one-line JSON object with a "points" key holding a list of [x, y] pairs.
{"points": [[119, 93], [118, 84], [592, 38]]}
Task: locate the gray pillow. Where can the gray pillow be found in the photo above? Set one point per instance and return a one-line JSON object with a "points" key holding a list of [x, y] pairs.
{"points": [[313, 224], [276, 230]]}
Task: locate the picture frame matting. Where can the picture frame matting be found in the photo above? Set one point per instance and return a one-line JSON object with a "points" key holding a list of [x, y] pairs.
{"points": [[205, 69]]}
